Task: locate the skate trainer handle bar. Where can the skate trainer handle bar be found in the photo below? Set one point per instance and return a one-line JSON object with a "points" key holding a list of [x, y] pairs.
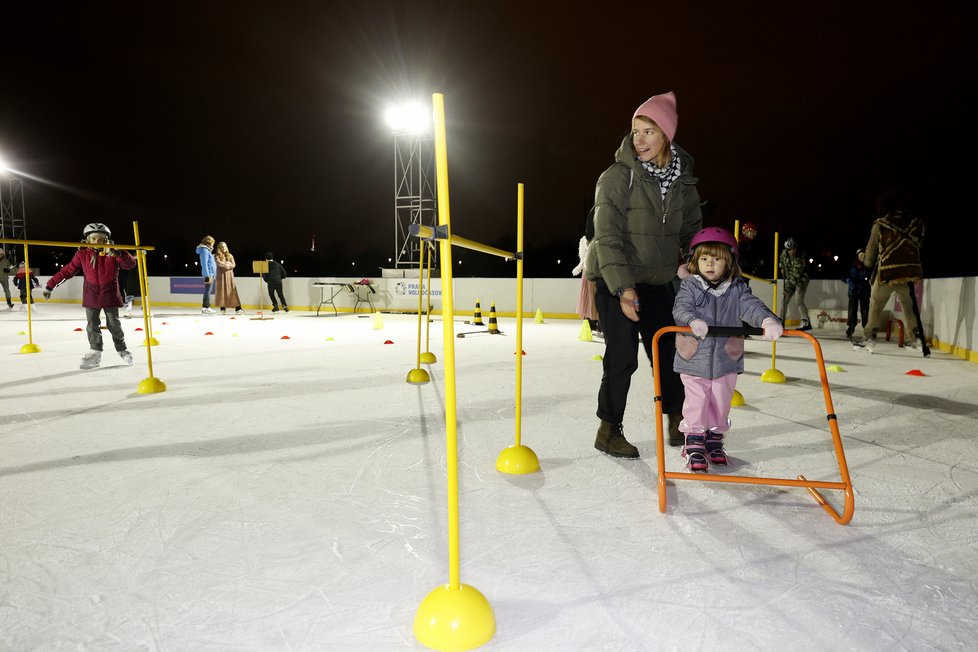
{"points": [[728, 331]]}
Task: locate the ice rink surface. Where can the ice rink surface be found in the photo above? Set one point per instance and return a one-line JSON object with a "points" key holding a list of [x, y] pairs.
{"points": [[290, 494]]}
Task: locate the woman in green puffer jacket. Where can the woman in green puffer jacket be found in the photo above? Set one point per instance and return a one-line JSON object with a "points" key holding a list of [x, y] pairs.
{"points": [[647, 210]]}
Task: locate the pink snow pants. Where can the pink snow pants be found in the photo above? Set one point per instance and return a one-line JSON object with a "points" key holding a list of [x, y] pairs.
{"points": [[707, 403]]}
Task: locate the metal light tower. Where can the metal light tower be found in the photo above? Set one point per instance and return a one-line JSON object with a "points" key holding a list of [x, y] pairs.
{"points": [[415, 199], [13, 223]]}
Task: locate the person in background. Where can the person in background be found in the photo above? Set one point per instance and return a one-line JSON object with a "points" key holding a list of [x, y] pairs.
{"points": [[859, 290], [5, 269], [585, 300], [714, 294], [21, 279], [100, 293], [794, 270], [276, 274], [647, 210], [894, 249], [208, 270], [227, 289], [749, 260]]}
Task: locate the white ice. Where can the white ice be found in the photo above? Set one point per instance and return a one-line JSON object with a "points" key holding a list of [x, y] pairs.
{"points": [[290, 494]]}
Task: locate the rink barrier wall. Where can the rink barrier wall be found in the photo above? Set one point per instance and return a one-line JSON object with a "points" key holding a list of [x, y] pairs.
{"points": [[948, 307]]}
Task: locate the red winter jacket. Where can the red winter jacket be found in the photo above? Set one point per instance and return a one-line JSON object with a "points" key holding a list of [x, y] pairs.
{"points": [[101, 288]]}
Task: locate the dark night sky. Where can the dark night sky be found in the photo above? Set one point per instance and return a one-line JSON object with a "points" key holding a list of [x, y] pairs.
{"points": [[262, 126]]}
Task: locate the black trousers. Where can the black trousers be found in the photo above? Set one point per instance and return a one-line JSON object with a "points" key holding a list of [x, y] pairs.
{"points": [[275, 287], [621, 336], [860, 305]]}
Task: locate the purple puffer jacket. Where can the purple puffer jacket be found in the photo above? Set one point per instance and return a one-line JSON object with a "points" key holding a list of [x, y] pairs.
{"points": [[726, 305]]}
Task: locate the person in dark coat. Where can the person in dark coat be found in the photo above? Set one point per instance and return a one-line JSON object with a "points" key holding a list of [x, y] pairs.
{"points": [[276, 274], [859, 289], [647, 209], [100, 293]]}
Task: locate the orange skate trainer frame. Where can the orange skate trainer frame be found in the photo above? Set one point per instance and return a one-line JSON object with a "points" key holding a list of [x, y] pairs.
{"points": [[813, 486]]}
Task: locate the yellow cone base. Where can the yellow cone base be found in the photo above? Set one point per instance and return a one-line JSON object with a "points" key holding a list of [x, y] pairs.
{"points": [[151, 341], [737, 400], [428, 358], [772, 376], [517, 460], [151, 386], [454, 619], [30, 348], [418, 377]]}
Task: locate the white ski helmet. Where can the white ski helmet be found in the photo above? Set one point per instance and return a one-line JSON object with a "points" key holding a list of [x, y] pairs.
{"points": [[96, 228]]}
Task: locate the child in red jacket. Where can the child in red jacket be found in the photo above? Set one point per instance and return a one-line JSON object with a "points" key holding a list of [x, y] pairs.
{"points": [[101, 266]]}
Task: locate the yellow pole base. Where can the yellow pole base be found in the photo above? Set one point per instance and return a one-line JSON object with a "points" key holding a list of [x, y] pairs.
{"points": [[30, 348], [151, 341], [418, 377], [737, 400], [454, 619], [517, 460], [773, 376], [151, 386], [428, 358]]}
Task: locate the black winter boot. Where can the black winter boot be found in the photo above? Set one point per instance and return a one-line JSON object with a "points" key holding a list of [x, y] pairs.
{"points": [[611, 440], [676, 438]]}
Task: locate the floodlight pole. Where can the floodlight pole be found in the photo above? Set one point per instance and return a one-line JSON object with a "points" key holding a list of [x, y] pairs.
{"points": [[13, 223], [415, 199]]}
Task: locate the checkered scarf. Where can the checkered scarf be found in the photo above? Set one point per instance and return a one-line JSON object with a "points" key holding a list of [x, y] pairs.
{"points": [[668, 174]]}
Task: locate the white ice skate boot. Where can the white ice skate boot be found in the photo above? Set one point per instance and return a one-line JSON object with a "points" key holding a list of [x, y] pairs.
{"points": [[91, 360], [126, 357]]}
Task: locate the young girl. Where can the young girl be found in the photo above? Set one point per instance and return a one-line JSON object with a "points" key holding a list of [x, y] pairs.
{"points": [[714, 294]]}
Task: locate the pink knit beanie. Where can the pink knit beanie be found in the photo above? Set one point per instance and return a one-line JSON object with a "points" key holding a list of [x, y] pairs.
{"points": [[661, 109]]}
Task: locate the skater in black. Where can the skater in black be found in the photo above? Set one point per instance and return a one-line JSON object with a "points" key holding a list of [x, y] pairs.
{"points": [[276, 274]]}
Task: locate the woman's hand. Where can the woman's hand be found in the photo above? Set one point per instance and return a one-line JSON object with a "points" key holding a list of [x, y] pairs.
{"points": [[629, 304]]}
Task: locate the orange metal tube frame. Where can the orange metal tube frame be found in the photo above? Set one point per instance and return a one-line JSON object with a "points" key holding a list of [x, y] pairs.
{"points": [[812, 485]]}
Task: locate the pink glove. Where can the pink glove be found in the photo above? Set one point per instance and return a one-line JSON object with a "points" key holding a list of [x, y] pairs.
{"points": [[772, 328], [699, 328]]}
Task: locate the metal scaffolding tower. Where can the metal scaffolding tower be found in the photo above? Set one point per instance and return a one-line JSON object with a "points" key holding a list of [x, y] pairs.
{"points": [[13, 223], [415, 200]]}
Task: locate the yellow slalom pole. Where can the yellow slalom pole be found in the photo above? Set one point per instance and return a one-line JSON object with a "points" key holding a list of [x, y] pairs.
{"points": [[427, 357], [151, 384], [419, 376], [30, 347], [453, 616], [518, 459], [772, 375]]}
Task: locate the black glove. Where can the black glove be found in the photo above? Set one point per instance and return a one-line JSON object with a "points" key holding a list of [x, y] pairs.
{"points": [[46, 293], [208, 280]]}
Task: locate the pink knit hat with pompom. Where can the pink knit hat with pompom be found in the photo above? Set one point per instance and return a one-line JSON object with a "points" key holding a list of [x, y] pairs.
{"points": [[661, 109]]}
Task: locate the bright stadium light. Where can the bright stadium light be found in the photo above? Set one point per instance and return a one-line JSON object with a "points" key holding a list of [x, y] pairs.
{"points": [[409, 118]]}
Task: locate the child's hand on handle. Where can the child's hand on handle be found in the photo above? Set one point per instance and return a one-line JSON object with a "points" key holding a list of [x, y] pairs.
{"points": [[772, 328], [46, 294], [699, 328]]}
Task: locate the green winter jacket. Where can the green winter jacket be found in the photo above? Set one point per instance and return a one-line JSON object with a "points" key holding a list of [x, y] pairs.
{"points": [[638, 237]]}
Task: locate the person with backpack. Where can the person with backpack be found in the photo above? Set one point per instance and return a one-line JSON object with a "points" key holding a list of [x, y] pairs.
{"points": [[894, 250], [647, 210]]}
